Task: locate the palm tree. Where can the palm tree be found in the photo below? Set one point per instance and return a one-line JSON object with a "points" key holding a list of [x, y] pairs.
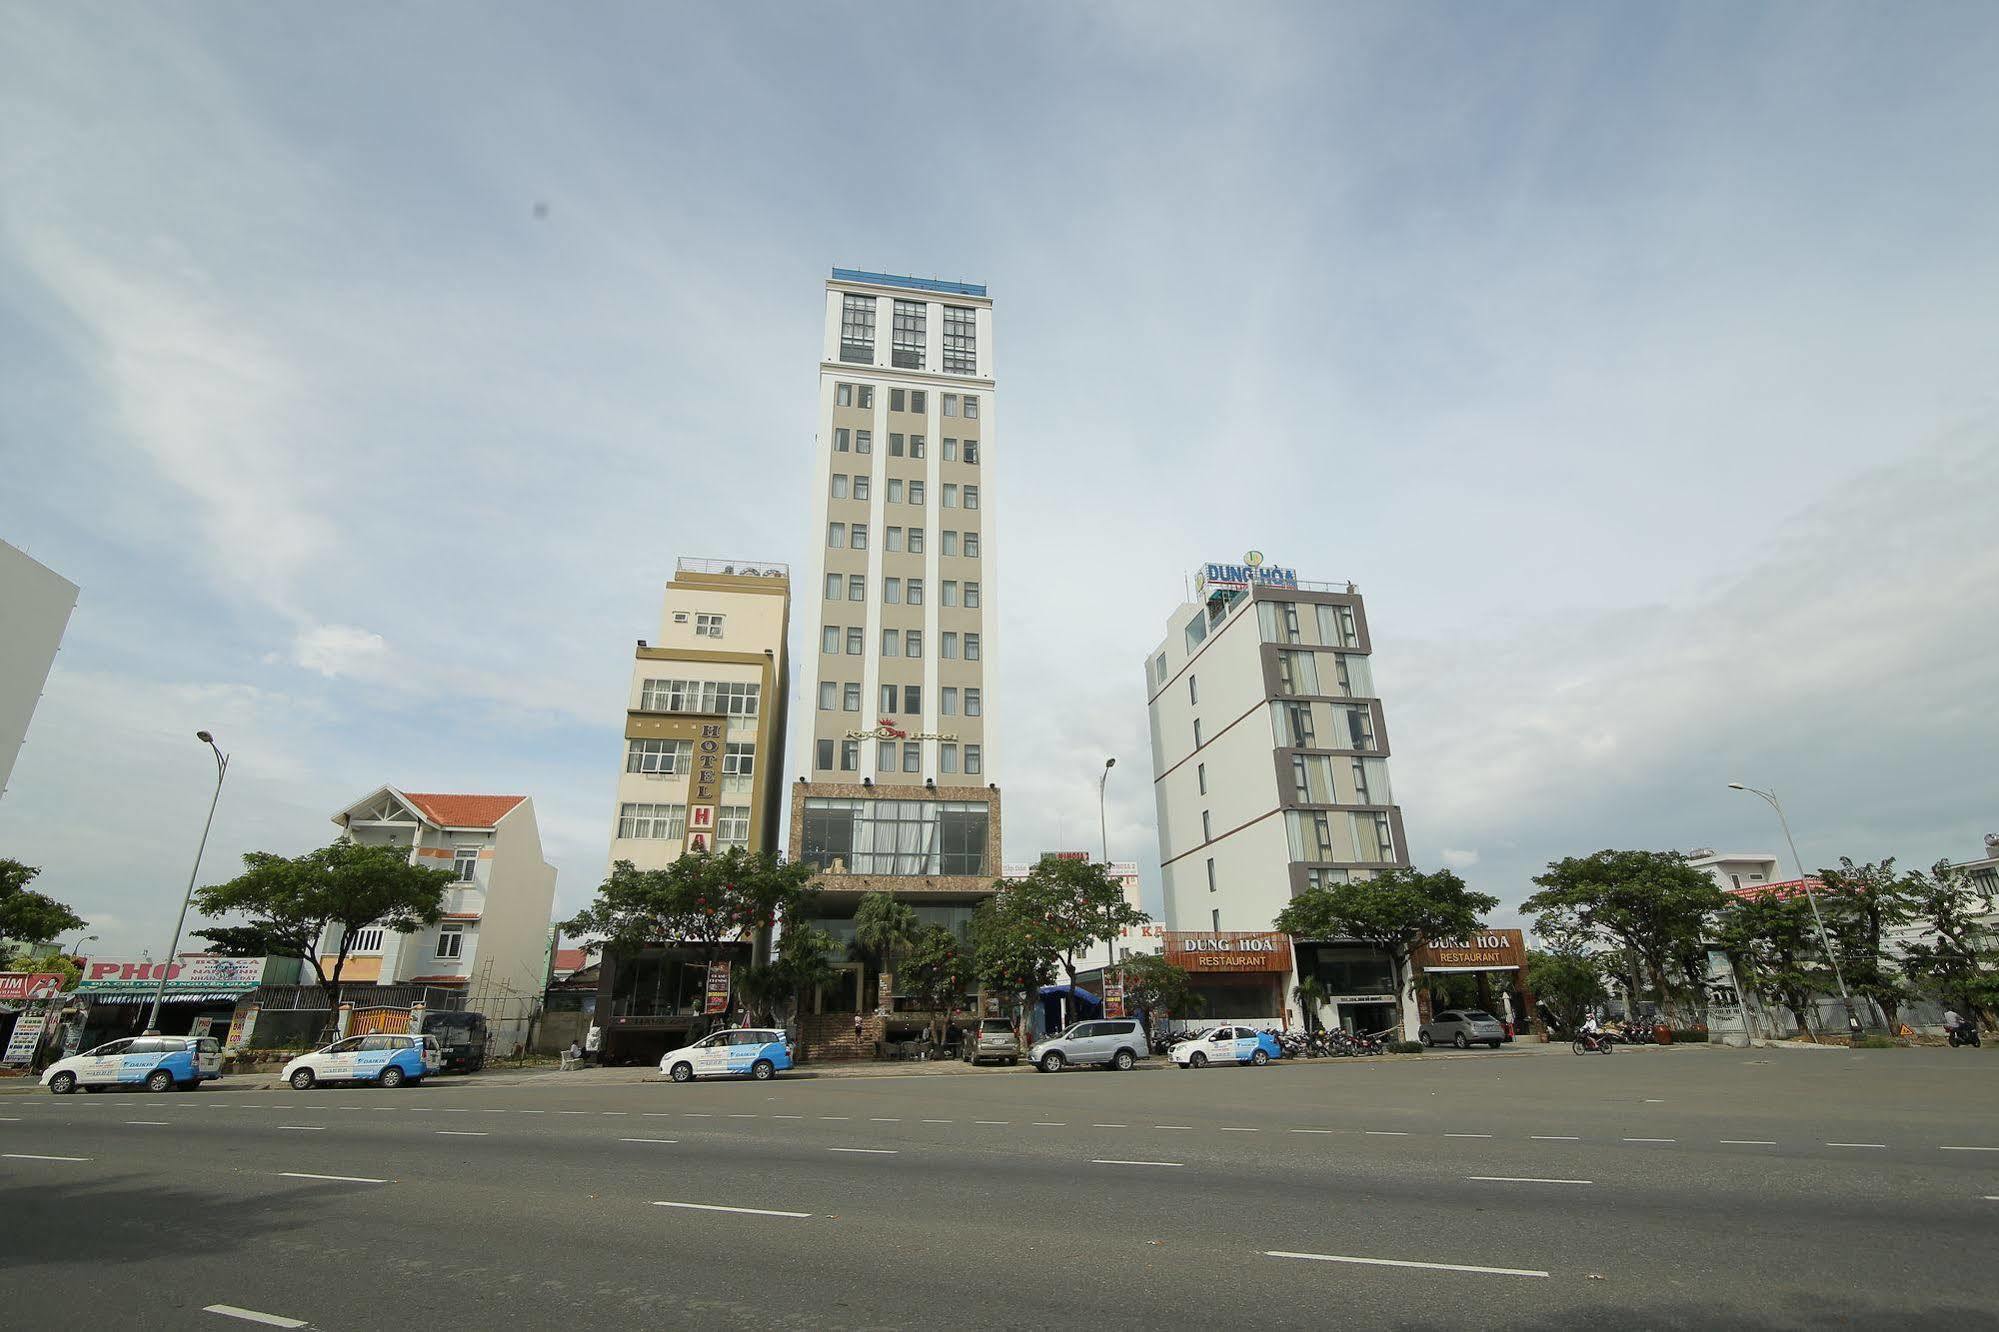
{"points": [[1310, 992], [884, 928]]}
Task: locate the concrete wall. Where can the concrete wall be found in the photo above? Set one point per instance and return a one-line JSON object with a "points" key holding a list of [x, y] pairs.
{"points": [[35, 604]]}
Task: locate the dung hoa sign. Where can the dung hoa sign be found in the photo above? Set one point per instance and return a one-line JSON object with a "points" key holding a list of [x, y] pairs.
{"points": [[1228, 951], [1252, 572], [1487, 950]]}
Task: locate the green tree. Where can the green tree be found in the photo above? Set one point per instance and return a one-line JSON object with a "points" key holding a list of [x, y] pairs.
{"points": [[935, 970], [1395, 910], [1309, 993], [1863, 905], [1651, 902], [705, 902], [27, 916], [1152, 986], [1949, 959], [1013, 951], [884, 927], [295, 905], [1568, 983], [1070, 906], [805, 959], [1774, 941]]}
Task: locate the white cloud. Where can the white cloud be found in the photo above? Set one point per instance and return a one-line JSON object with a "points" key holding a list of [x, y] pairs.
{"points": [[1458, 860], [336, 650]]}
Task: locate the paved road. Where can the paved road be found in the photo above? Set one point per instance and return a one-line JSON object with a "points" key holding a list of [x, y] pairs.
{"points": [[1668, 1188]]}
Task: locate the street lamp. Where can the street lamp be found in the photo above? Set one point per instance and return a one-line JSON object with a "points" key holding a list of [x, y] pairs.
{"points": [[80, 942], [1103, 831], [1804, 880], [160, 990], [1103, 828]]}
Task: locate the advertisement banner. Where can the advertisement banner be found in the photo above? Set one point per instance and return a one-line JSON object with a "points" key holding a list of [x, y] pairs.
{"points": [[23, 985], [188, 973], [27, 1035], [240, 1027], [718, 987], [1114, 999]]}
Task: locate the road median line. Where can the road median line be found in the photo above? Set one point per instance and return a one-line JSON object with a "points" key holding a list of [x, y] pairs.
{"points": [[1400, 1262]]}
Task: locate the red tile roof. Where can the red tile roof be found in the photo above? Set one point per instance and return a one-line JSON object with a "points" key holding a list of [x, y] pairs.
{"points": [[1781, 888], [571, 959], [436, 980], [463, 811]]}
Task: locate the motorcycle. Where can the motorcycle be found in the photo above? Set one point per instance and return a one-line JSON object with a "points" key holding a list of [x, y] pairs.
{"points": [[1965, 1033], [1593, 1043]]}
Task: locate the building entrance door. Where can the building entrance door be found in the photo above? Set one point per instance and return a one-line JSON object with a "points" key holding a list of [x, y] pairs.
{"points": [[843, 993]]}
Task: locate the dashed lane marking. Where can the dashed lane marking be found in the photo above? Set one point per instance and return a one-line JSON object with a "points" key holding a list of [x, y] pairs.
{"points": [[1880, 1145], [1110, 1126], [460, 1133], [993, 1122], [1968, 1149], [1386, 1133], [1187, 1128], [338, 1179], [30, 1156], [1747, 1142], [1553, 1137], [1651, 1139], [664, 1142], [1311, 1130], [148, 1123], [252, 1316], [302, 1128], [1468, 1135], [940, 1121], [1401, 1262], [1050, 1123], [1174, 1164], [1525, 1179], [867, 1151], [743, 1211]]}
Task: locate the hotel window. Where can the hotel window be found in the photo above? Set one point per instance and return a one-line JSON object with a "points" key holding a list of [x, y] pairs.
{"points": [[864, 441], [859, 538], [885, 756], [892, 591], [1211, 874], [971, 545], [732, 825], [1373, 842], [916, 591], [913, 644], [894, 490], [738, 700], [972, 704], [1370, 782], [368, 940], [895, 400], [947, 758], [1195, 633], [659, 757], [1312, 779], [971, 647], [850, 755], [857, 329], [947, 646], [867, 396], [950, 496], [836, 536], [916, 444], [450, 941], [1277, 621], [861, 487], [829, 636], [829, 696], [916, 541], [1336, 626], [1193, 690], [652, 821], [891, 642], [971, 453], [950, 445], [1207, 827], [1298, 672], [894, 445], [850, 699], [908, 345], [947, 703], [903, 837], [916, 493], [887, 700], [840, 437], [843, 395], [1201, 777], [971, 405], [1215, 920], [1159, 669], [669, 695], [839, 485], [1197, 732], [912, 699], [857, 587], [971, 497], [739, 760], [1325, 878], [824, 754], [1300, 732], [1310, 832], [961, 341], [917, 401], [707, 626], [950, 409], [974, 762], [1360, 727], [1356, 676], [950, 542], [856, 641], [912, 756], [971, 596], [950, 592], [832, 587], [893, 538]]}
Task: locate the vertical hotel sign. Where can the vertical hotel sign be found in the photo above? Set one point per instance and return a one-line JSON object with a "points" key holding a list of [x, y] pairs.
{"points": [[704, 787]]}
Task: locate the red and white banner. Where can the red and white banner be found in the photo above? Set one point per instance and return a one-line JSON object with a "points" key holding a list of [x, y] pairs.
{"points": [[19, 985]]}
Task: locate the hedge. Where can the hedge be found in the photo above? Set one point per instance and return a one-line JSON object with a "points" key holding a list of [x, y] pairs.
{"points": [[1405, 1047]]}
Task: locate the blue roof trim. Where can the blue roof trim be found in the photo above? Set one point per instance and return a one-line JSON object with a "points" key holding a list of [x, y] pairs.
{"points": [[912, 283]]}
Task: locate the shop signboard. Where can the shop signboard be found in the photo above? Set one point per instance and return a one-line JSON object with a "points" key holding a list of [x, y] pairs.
{"points": [[1351, 999], [1114, 999], [183, 974], [27, 1035], [18, 986], [241, 1025], [1487, 950], [1228, 951], [718, 987]]}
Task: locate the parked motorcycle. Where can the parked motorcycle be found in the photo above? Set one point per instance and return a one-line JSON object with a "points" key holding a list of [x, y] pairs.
{"points": [[1965, 1033]]}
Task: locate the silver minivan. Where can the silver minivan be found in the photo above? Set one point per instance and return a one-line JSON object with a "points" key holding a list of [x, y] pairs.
{"points": [[1464, 1028], [1118, 1042]]}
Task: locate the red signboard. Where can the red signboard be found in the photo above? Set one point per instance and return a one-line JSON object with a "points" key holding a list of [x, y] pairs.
{"points": [[20, 985], [718, 987]]}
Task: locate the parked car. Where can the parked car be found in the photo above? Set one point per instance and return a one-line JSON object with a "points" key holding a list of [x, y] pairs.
{"points": [[1227, 1045], [157, 1063], [1118, 1042], [740, 1052], [385, 1060], [993, 1038], [462, 1036], [1464, 1028]]}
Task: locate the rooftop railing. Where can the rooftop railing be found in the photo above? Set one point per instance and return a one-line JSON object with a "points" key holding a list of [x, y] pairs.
{"points": [[741, 568]]}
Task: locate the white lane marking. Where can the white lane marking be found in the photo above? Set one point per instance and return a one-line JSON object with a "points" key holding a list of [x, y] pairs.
{"points": [[1386, 1133], [1189, 1128], [1468, 1135], [342, 1179], [1747, 1142], [830, 1118], [30, 1156], [1110, 1126], [11, 1119], [1175, 1164], [460, 1133], [457, 1110], [572, 1112], [753, 1117], [1525, 1179], [992, 1121], [1968, 1149], [1398, 1262], [787, 1116], [1651, 1139], [1992, 1197], [534, 1112], [303, 1128], [494, 1112], [1311, 1130], [614, 1113], [1050, 1123], [431, 1109], [148, 1123], [872, 1119], [1241, 1130], [1655, 1100], [745, 1211], [1882, 1145], [252, 1316], [666, 1142], [940, 1121], [1553, 1137], [867, 1151]]}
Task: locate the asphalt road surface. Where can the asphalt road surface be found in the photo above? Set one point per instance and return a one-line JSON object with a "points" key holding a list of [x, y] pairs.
{"points": [[1672, 1188]]}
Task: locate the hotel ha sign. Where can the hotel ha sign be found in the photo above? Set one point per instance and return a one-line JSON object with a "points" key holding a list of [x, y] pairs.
{"points": [[1252, 572], [1228, 951]]}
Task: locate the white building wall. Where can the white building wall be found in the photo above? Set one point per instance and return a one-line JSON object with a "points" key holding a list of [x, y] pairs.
{"points": [[513, 933], [35, 605]]}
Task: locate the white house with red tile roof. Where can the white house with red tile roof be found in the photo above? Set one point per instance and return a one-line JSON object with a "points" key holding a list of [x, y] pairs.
{"points": [[492, 942]]}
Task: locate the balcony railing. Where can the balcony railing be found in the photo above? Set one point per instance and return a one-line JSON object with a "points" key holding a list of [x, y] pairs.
{"points": [[742, 568]]}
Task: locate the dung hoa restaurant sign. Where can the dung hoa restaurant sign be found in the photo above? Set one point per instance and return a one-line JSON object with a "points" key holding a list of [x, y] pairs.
{"points": [[1232, 950], [1488, 950]]}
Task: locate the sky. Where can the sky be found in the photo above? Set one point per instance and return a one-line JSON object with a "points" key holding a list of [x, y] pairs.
{"points": [[369, 368]]}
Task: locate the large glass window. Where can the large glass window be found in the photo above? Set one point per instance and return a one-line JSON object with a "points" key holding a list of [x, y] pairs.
{"points": [[1356, 676], [1337, 627], [857, 329], [1370, 782], [732, 825], [1311, 835], [907, 837], [908, 346], [664, 757], [1297, 673], [652, 821], [1374, 842], [1196, 632], [961, 341]]}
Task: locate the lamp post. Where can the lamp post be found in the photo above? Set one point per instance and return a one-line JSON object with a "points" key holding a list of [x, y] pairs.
{"points": [[1103, 831], [160, 990], [81, 940], [1804, 881]]}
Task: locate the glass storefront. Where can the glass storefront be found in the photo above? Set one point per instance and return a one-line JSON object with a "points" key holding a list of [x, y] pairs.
{"points": [[910, 837]]}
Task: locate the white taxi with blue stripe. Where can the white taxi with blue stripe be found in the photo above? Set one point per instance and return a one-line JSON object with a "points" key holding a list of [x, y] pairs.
{"points": [[740, 1052], [384, 1059], [1227, 1045], [157, 1063]]}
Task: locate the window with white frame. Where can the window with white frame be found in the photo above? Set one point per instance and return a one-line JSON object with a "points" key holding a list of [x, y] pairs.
{"points": [[732, 825], [950, 496], [947, 701], [836, 536], [451, 940], [971, 406], [857, 587], [894, 490], [947, 757], [864, 441], [738, 760], [659, 757], [973, 706], [829, 635], [892, 538], [367, 940], [950, 592], [832, 587], [892, 591], [842, 439], [895, 448], [950, 445], [974, 761], [916, 591], [948, 646], [829, 696], [916, 444], [843, 395], [918, 402], [707, 625], [971, 647], [649, 822], [860, 487], [971, 596], [465, 863], [950, 543], [887, 699], [961, 340], [916, 541], [856, 641], [950, 404], [891, 642], [971, 497], [912, 643], [858, 536], [850, 699], [839, 485], [857, 328], [737, 699], [885, 756], [916, 493], [907, 349], [971, 453], [866, 396], [971, 545]]}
